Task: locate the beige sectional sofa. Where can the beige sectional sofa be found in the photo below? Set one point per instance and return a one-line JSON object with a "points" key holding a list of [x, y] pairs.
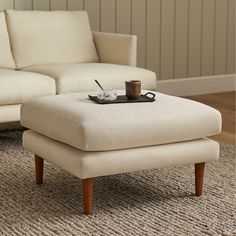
{"points": [[45, 53]]}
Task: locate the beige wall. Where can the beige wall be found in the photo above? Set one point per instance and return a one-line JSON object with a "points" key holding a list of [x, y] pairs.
{"points": [[177, 38]]}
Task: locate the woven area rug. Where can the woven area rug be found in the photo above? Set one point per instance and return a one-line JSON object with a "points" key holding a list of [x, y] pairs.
{"points": [[158, 202]]}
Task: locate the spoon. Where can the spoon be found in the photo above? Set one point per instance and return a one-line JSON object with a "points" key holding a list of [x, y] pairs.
{"points": [[100, 86], [106, 95]]}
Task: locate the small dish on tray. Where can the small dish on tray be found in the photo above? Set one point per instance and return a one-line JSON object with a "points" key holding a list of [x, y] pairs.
{"points": [[107, 95]]}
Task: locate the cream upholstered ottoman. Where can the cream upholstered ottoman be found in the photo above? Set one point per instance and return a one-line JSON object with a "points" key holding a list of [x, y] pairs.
{"points": [[90, 140]]}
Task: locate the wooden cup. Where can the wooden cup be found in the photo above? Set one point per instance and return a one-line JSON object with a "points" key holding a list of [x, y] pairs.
{"points": [[133, 89]]}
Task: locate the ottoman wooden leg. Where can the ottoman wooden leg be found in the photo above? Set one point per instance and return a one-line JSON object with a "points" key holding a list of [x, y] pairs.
{"points": [[39, 169], [88, 195], [199, 177]]}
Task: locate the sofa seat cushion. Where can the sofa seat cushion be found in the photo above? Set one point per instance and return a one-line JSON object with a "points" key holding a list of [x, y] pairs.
{"points": [[43, 37], [75, 120], [6, 59], [9, 113], [80, 77], [17, 87]]}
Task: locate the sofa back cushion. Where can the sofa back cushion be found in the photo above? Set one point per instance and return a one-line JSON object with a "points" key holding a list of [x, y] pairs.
{"points": [[6, 59], [43, 37]]}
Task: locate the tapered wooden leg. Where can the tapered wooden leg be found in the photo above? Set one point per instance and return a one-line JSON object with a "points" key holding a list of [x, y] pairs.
{"points": [[199, 177], [88, 195], [39, 169]]}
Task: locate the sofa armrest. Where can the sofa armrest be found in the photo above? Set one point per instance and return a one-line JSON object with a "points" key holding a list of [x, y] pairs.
{"points": [[116, 48]]}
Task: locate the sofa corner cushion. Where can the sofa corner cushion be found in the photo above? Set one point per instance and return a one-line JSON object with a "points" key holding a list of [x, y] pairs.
{"points": [[50, 37], [72, 78], [17, 87], [92, 127], [6, 58]]}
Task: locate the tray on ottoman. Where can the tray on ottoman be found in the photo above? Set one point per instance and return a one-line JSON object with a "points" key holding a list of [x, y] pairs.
{"points": [[124, 99]]}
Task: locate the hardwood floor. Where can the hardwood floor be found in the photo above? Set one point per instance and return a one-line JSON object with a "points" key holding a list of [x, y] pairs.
{"points": [[225, 103]]}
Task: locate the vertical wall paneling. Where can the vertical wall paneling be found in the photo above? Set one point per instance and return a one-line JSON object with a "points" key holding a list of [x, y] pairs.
{"points": [[221, 36], [41, 5], [93, 9], [231, 38], [108, 15], [23, 4], [139, 28], [176, 38], [153, 35], [208, 19], [6, 4], [167, 39], [75, 4], [58, 4], [181, 39], [123, 16], [194, 49]]}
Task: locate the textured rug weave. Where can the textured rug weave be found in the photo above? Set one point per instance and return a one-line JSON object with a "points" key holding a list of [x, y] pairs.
{"points": [[158, 202]]}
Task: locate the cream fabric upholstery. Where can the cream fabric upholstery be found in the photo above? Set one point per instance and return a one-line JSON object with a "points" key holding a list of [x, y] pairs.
{"points": [[9, 113], [42, 37], [116, 48], [80, 77], [93, 164], [6, 59], [77, 121], [18, 86]]}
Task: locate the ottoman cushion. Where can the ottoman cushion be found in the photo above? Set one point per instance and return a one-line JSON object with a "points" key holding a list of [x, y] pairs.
{"points": [[79, 122]]}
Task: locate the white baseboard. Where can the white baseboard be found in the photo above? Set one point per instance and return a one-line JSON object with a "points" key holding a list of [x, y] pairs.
{"points": [[198, 85]]}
